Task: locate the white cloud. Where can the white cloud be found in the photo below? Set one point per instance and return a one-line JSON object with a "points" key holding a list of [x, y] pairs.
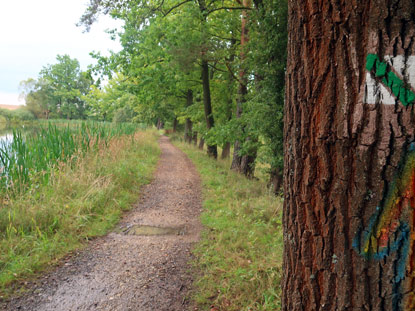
{"points": [[34, 32]]}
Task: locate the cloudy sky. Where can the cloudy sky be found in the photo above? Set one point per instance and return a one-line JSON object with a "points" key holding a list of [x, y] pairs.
{"points": [[33, 32]]}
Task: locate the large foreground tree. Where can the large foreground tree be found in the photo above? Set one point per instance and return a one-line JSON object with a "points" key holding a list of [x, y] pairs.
{"points": [[349, 165]]}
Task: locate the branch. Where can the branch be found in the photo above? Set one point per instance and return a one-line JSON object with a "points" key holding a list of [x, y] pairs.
{"points": [[216, 68], [223, 38], [157, 61], [175, 7], [232, 73], [230, 8]]}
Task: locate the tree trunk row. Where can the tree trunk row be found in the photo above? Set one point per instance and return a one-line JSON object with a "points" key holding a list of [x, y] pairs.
{"points": [[243, 163], [188, 127]]}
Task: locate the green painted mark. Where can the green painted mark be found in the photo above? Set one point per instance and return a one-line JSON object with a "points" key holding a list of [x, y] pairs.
{"points": [[390, 79]]}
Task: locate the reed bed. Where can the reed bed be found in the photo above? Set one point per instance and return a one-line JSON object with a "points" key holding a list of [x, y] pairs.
{"points": [[28, 159], [82, 199]]}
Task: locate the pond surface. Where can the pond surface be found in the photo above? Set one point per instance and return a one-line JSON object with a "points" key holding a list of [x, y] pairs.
{"points": [[6, 132]]}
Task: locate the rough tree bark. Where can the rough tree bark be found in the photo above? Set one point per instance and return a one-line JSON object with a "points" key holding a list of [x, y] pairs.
{"points": [[349, 167], [244, 164], [188, 126]]}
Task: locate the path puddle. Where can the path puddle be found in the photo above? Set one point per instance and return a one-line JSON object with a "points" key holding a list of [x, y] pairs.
{"points": [[152, 230]]}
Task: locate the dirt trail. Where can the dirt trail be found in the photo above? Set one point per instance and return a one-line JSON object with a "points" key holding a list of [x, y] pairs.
{"points": [[123, 270]]}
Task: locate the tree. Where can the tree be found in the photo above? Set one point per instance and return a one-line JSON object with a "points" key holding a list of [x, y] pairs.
{"points": [[36, 94], [188, 126], [349, 164], [203, 16], [67, 83], [59, 90], [113, 102], [267, 61], [243, 163]]}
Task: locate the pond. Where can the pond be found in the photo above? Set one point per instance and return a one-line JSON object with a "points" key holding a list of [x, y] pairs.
{"points": [[6, 135], [6, 132]]}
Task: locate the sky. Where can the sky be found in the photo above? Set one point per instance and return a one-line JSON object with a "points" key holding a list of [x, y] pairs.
{"points": [[34, 32]]}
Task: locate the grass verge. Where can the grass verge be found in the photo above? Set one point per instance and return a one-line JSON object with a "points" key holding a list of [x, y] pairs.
{"points": [[240, 253], [81, 201]]}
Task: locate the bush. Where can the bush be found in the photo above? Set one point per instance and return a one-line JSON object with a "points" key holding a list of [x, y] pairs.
{"points": [[21, 114], [124, 114]]}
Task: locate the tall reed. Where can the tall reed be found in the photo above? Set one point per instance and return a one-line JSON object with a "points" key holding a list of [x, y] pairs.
{"points": [[28, 158]]}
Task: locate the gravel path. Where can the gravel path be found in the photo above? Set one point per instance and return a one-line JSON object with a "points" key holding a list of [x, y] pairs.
{"points": [[126, 270]]}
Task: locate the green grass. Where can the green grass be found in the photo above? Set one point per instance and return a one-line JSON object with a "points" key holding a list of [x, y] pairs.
{"points": [[240, 254], [82, 200]]}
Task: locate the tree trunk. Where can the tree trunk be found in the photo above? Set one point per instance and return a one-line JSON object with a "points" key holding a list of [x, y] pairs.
{"points": [[275, 180], [211, 149], [226, 150], [349, 166], [201, 143], [195, 138], [207, 102], [244, 164], [188, 126], [160, 124], [175, 125]]}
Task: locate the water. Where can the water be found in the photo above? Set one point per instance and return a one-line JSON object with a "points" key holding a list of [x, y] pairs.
{"points": [[6, 138], [144, 230], [6, 133]]}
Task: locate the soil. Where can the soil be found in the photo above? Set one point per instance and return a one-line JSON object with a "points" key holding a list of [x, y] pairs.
{"points": [[142, 265]]}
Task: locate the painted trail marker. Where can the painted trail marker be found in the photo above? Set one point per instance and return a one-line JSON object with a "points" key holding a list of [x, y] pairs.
{"points": [[391, 229], [390, 80]]}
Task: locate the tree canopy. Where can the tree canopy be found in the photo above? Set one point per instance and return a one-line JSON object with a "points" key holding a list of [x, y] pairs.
{"points": [[216, 67], [230, 56], [58, 91]]}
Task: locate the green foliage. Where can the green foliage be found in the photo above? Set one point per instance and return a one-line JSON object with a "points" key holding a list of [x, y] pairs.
{"points": [[164, 45], [240, 254], [58, 91], [18, 115], [116, 95], [267, 60], [162, 53], [125, 114], [81, 201]]}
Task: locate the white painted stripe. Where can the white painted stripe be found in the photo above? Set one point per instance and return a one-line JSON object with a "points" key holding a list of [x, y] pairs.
{"points": [[376, 92]]}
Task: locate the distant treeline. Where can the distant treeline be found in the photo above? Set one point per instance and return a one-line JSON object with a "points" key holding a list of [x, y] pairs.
{"points": [[64, 91], [17, 115]]}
